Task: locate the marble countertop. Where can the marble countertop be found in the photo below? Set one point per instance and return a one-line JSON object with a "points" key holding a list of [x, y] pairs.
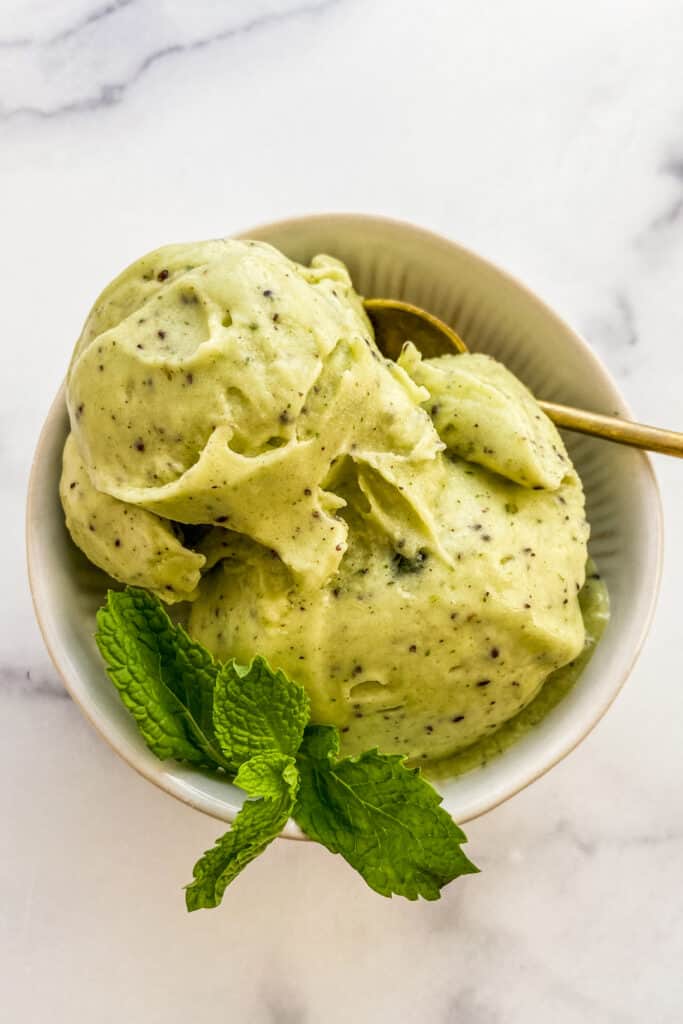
{"points": [[549, 138]]}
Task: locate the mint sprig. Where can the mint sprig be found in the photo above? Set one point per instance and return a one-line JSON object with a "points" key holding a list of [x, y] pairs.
{"points": [[258, 711], [383, 818], [251, 722], [164, 678], [272, 778]]}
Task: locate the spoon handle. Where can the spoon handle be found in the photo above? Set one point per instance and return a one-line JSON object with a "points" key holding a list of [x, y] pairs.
{"points": [[669, 442]]}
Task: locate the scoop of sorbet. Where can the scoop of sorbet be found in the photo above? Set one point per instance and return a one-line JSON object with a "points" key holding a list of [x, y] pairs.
{"points": [[406, 540]]}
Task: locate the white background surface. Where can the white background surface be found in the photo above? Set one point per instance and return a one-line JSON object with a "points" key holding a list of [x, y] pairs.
{"points": [[549, 137]]}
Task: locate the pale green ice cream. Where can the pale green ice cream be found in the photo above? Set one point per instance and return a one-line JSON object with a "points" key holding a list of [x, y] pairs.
{"points": [[131, 544], [485, 415], [215, 383], [408, 541]]}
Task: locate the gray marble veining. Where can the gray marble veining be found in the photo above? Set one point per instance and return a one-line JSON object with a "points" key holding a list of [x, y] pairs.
{"points": [[76, 69]]}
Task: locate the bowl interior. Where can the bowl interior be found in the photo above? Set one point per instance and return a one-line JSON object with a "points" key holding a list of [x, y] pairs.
{"points": [[494, 314]]}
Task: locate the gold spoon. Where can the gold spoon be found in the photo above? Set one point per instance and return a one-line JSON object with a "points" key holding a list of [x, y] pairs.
{"points": [[395, 322]]}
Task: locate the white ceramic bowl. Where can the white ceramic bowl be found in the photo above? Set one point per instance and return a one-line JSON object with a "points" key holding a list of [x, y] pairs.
{"points": [[495, 314]]}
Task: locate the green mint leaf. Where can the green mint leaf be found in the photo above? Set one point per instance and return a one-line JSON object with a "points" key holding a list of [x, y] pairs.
{"points": [[273, 780], [163, 677], [258, 711], [382, 817]]}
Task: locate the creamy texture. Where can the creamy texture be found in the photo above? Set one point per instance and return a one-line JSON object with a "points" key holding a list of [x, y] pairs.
{"points": [[594, 602], [132, 545], [487, 416], [418, 654], [407, 540], [217, 382]]}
